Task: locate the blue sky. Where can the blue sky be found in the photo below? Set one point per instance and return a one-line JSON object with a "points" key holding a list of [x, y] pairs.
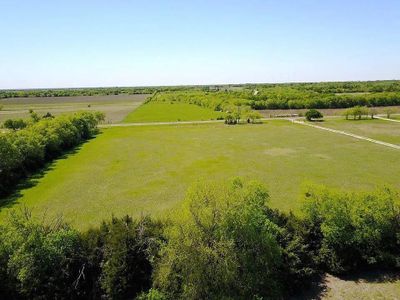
{"points": [[129, 43]]}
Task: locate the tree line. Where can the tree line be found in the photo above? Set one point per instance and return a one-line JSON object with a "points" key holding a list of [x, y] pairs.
{"points": [[31, 144], [278, 97], [223, 242]]}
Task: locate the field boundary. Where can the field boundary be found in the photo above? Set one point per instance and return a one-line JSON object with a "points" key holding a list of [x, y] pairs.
{"points": [[348, 134]]}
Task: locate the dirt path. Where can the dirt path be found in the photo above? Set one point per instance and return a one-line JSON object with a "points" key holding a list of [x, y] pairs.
{"points": [[386, 119], [348, 134]]}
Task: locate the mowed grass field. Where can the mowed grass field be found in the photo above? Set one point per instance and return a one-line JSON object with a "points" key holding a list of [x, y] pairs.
{"points": [[381, 130], [115, 107], [147, 169], [171, 112]]}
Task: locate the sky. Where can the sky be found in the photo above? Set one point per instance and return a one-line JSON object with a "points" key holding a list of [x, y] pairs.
{"points": [[82, 43]]}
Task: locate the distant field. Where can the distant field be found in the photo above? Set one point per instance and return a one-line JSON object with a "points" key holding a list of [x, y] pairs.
{"points": [[165, 112], [385, 131], [115, 107], [134, 170]]}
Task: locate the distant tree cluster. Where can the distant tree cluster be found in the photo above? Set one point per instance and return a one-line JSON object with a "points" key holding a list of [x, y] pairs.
{"points": [[223, 242], [39, 140], [74, 92], [289, 96]]}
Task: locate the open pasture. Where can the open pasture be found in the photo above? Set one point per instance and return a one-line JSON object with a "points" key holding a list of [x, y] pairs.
{"points": [[382, 130], [134, 170], [115, 107]]}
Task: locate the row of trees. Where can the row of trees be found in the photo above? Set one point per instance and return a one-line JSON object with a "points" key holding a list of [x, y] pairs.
{"points": [[315, 87], [224, 242], [74, 92], [31, 145]]}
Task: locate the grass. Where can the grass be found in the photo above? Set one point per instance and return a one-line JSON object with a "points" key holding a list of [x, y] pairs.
{"points": [[170, 112], [115, 107], [382, 130], [377, 285], [134, 170]]}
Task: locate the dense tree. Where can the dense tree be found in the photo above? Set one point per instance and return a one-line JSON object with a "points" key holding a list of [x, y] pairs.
{"points": [[313, 114], [221, 244], [358, 229], [40, 261]]}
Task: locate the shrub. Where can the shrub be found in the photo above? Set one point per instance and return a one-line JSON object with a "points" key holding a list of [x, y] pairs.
{"points": [[313, 114], [15, 124], [221, 245], [121, 252], [252, 116], [40, 261], [358, 229], [230, 120]]}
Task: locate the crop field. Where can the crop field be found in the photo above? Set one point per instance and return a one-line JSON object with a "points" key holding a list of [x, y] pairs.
{"points": [[115, 107], [147, 169], [171, 112]]}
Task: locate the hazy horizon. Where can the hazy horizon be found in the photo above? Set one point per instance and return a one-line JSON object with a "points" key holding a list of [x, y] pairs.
{"points": [[168, 43]]}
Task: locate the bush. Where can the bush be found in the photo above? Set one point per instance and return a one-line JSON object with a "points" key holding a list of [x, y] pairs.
{"points": [[39, 261], [230, 120], [15, 124], [221, 245], [358, 229], [120, 252], [313, 114]]}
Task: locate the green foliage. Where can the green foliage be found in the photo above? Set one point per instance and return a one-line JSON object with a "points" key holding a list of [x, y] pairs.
{"points": [[289, 96], [129, 247], [252, 116], [359, 229], [49, 260], [27, 149], [224, 242], [220, 245], [389, 112], [313, 114], [230, 120], [357, 112], [152, 294], [40, 261], [15, 124]]}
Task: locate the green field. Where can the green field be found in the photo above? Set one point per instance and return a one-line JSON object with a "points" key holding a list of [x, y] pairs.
{"points": [[115, 107], [147, 169], [171, 112], [381, 130]]}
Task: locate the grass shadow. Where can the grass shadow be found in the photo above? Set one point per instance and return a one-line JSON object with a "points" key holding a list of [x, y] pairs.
{"points": [[321, 285], [33, 179], [317, 290], [373, 276]]}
